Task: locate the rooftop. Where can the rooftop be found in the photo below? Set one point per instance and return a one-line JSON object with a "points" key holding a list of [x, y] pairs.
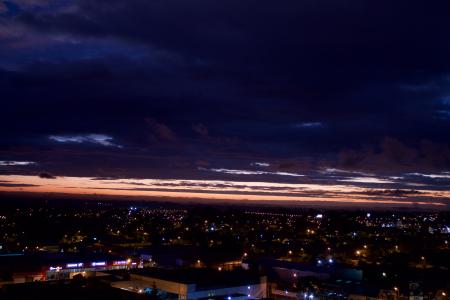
{"points": [[203, 278]]}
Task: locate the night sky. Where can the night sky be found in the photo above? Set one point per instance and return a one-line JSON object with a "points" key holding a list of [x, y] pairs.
{"points": [[335, 102]]}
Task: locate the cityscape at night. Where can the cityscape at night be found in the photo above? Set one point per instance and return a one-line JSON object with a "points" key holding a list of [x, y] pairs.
{"points": [[330, 254], [225, 150]]}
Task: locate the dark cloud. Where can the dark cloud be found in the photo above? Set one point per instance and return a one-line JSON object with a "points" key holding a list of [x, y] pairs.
{"points": [[103, 178], [395, 193], [3, 8], [46, 176], [16, 185], [154, 88], [394, 156], [160, 131], [200, 129]]}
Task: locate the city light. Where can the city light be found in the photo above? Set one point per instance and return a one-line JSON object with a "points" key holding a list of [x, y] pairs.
{"points": [[76, 265], [332, 251]]}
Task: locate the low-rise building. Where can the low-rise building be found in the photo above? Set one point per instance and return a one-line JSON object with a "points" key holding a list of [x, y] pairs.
{"points": [[196, 284]]}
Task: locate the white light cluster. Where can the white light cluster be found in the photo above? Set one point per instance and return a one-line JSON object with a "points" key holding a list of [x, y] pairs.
{"points": [[75, 265]]}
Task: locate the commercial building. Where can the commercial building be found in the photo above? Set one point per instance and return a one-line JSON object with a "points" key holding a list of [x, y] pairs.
{"points": [[196, 284], [20, 268]]}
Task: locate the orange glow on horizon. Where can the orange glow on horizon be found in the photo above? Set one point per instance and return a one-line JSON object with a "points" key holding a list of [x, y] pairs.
{"points": [[344, 194]]}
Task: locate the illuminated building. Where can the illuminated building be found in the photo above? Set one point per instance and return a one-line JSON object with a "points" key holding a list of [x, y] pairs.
{"points": [[196, 284], [44, 267]]}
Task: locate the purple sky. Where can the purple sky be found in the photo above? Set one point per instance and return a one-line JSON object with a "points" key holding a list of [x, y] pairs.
{"points": [[322, 93]]}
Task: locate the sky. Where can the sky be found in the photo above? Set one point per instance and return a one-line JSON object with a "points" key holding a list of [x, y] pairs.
{"points": [[305, 101]]}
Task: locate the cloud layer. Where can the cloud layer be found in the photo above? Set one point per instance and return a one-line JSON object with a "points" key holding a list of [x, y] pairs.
{"points": [[217, 191], [222, 91]]}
